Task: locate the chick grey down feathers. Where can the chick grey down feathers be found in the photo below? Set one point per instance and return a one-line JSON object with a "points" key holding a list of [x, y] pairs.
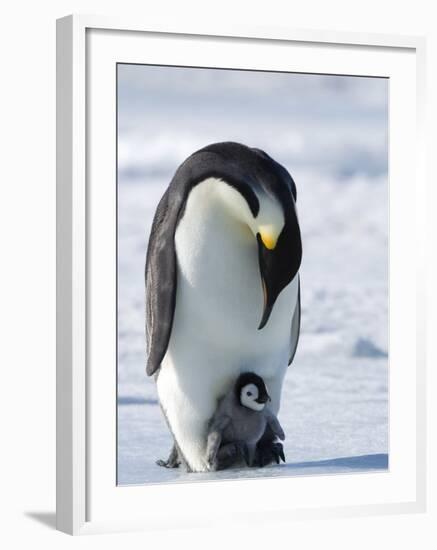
{"points": [[235, 430]]}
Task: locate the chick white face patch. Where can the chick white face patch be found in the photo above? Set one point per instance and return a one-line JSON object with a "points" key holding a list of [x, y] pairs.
{"points": [[248, 396]]}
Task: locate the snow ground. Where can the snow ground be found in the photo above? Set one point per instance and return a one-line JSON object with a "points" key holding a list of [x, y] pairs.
{"points": [[331, 133]]}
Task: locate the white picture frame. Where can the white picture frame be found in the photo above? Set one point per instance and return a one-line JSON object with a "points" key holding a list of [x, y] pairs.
{"points": [[87, 499]]}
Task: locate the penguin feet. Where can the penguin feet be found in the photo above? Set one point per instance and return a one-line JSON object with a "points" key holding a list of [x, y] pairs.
{"points": [[167, 463], [228, 455], [268, 452], [211, 461], [172, 461]]}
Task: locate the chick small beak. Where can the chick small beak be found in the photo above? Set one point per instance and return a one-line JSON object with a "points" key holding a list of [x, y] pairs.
{"points": [[263, 399]]}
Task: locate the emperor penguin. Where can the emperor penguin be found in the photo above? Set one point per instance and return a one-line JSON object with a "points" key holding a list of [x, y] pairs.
{"points": [[222, 290]]}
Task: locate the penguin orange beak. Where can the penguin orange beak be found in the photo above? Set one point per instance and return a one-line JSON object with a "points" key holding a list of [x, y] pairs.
{"points": [[268, 237]]}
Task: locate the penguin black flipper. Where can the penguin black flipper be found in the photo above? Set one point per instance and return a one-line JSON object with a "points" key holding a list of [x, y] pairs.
{"points": [[161, 281], [295, 326]]}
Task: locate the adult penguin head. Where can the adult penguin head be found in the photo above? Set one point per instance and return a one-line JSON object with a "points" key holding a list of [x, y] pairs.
{"points": [[262, 195]]}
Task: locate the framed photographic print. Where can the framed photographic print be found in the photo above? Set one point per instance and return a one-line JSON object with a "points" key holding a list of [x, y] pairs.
{"points": [[240, 275]]}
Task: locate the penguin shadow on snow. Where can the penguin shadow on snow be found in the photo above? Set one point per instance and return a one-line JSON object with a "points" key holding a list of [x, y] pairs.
{"points": [[358, 463], [343, 465]]}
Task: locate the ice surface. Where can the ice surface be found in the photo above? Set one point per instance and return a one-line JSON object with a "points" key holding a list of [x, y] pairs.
{"points": [[331, 134]]}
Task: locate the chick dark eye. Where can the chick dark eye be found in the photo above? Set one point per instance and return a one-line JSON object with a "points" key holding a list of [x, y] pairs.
{"points": [[249, 393]]}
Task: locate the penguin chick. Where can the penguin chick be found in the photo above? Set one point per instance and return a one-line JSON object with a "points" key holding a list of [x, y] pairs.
{"points": [[239, 422]]}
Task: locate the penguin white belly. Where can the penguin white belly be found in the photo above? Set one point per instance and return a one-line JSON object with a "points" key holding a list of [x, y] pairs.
{"points": [[215, 332]]}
